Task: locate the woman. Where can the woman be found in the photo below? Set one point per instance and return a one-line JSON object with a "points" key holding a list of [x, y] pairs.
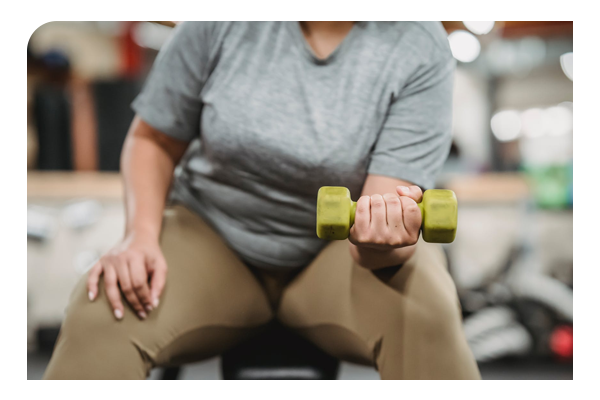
{"points": [[280, 109]]}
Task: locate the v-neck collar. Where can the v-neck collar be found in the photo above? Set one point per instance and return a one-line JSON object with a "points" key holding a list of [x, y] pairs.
{"points": [[307, 51]]}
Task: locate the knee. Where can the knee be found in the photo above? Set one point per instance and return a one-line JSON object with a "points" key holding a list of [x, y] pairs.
{"points": [[436, 321], [88, 323], [93, 345]]}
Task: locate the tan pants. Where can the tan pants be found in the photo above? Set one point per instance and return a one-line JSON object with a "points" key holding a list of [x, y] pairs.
{"points": [[405, 322]]}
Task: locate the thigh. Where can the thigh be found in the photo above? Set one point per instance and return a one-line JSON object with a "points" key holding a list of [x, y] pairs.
{"points": [[211, 300], [209, 294], [406, 322]]}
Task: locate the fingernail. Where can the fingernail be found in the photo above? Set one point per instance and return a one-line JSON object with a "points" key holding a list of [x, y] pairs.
{"points": [[155, 302], [142, 314], [148, 307], [403, 188], [118, 314], [91, 295]]}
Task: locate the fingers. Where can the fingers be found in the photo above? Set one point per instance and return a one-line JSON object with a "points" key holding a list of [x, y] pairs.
{"points": [[127, 287], [362, 220], [394, 211], [414, 192], [112, 290], [388, 221], [158, 278], [378, 213], [92, 281], [127, 275], [411, 217], [139, 281]]}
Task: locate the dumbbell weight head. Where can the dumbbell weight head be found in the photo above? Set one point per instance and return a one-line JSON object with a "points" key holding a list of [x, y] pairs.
{"points": [[439, 211], [335, 214]]}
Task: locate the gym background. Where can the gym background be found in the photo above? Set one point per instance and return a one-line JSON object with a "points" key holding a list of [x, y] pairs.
{"points": [[510, 166]]}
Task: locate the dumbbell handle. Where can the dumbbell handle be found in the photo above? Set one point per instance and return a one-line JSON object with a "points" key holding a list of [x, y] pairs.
{"points": [[353, 213]]}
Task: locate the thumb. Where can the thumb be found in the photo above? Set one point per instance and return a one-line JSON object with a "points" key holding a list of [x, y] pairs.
{"points": [[414, 192]]}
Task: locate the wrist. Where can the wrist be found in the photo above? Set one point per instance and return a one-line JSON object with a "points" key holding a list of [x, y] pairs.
{"points": [[143, 233], [371, 258]]}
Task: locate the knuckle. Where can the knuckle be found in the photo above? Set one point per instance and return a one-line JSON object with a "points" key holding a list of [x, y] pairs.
{"points": [[391, 239], [410, 239], [160, 269], [362, 209], [362, 237], [135, 255], [362, 205], [132, 300], [161, 265], [379, 240], [377, 203], [397, 243], [410, 206], [356, 236], [391, 198]]}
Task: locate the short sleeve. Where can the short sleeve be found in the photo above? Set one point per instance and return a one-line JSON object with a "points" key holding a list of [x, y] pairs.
{"points": [[415, 138], [170, 99]]}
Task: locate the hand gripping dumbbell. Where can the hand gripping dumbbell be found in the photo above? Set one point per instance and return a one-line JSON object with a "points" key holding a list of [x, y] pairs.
{"points": [[335, 214]]}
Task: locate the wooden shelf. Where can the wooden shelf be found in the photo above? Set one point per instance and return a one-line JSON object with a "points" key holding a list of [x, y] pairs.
{"points": [[490, 187], [102, 185]]}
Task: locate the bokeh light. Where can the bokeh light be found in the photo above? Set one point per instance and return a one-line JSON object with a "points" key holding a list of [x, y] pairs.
{"points": [[553, 121], [559, 120], [532, 122], [150, 35], [479, 27], [566, 63], [506, 125], [465, 47]]}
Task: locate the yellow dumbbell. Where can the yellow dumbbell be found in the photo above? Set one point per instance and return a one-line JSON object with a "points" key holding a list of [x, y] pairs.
{"points": [[335, 214]]}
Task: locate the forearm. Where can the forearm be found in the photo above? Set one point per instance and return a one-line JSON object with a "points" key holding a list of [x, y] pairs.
{"points": [[147, 169], [375, 259]]}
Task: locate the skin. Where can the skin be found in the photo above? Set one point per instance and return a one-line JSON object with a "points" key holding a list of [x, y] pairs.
{"points": [[385, 230], [136, 264], [324, 36]]}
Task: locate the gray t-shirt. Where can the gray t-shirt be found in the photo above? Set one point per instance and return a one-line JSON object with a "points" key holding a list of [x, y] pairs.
{"points": [[274, 123]]}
